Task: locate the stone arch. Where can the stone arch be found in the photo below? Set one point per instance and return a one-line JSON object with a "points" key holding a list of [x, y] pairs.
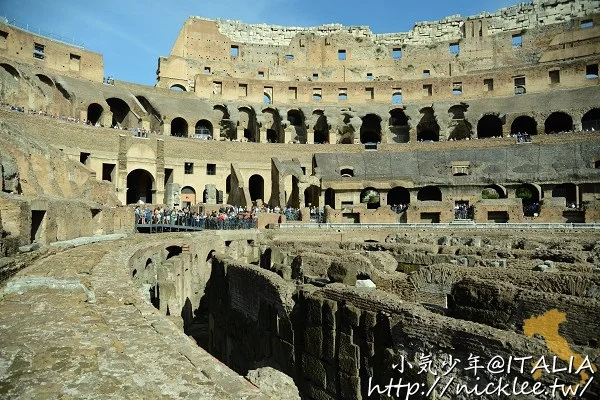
{"points": [[203, 129], [267, 98], [530, 195], [94, 113], [321, 127], [188, 196], [428, 128], [272, 123], [458, 127], [179, 127], [298, 122], [120, 112], [558, 122], [500, 191], [311, 196], [178, 88], [140, 186], [155, 117], [524, 124], [11, 70], [256, 187], [370, 129], [398, 195], [489, 126], [45, 79], [398, 125], [429, 193], [226, 125], [591, 120], [247, 121], [371, 197]]}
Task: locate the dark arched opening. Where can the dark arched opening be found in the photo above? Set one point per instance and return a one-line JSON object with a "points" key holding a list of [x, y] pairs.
{"points": [[428, 129], [256, 186], [530, 198], [489, 126], [371, 197], [94, 113], [558, 122], [311, 196], [296, 119], [120, 111], [398, 196], [203, 130], [272, 136], [458, 126], [178, 88], [11, 70], [228, 184], [330, 198], [591, 120], [321, 127], [429, 193], [523, 124], [248, 122], [399, 126], [45, 79], [173, 251], [370, 130], [179, 127], [140, 184]]}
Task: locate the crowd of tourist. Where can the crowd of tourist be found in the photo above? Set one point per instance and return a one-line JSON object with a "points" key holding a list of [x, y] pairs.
{"points": [[226, 218], [399, 208], [137, 132], [463, 211]]}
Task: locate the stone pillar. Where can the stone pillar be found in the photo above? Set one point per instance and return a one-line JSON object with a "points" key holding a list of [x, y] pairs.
{"points": [[262, 135], [287, 135], [310, 135], [333, 135], [216, 134], [239, 133], [166, 128], [211, 194], [191, 131], [121, 178]]}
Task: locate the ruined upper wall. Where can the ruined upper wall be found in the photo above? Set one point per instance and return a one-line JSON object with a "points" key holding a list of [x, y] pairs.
{"points": [[521, 16], [46, 53]]}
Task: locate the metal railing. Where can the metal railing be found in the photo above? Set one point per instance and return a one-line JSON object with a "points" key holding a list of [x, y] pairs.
{"points": [[37, 31], [473, 225], [193, 224]]}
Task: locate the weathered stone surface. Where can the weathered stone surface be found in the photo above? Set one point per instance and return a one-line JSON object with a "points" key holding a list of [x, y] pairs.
{"points": [[274, 383], [343, 273]]}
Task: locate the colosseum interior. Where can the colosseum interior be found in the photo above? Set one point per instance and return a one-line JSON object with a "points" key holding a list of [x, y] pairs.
{"points": [[424, 209]]}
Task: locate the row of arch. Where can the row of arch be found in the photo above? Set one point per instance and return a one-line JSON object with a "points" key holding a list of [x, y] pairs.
{"points": [[368, 127], [141, 186]]}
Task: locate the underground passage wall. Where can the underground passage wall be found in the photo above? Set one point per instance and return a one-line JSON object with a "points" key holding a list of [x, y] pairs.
{"points": [[338, 341]]}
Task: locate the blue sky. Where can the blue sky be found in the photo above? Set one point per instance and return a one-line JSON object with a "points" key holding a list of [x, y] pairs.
{"points": [[132, 34]]}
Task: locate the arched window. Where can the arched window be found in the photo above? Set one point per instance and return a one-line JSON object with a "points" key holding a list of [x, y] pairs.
{"points": [[558, 122], [489, 126], [178, 88]]}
